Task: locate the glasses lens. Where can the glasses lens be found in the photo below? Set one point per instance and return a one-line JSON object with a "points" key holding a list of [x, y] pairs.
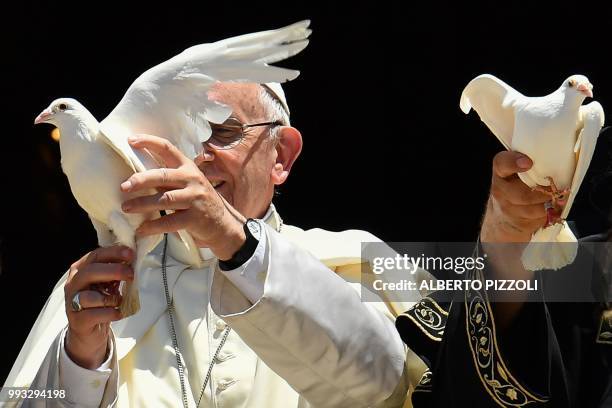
{"points": [[227, 135]]}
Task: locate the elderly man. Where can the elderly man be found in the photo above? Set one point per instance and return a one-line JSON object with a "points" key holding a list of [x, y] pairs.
{"points": [[266, 322]]}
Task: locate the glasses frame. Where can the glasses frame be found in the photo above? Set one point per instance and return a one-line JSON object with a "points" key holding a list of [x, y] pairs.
{"points": [[243, 128]]}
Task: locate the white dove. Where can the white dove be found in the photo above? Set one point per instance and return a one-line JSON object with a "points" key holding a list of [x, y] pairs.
{"points": [[559, 135], [169, 100]]}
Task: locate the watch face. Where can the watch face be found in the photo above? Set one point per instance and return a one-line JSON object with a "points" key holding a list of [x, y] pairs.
{"points": [[254, 228]]}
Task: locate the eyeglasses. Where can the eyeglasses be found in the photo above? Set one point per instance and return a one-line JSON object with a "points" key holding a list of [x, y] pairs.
{"points": [[230, 134]]}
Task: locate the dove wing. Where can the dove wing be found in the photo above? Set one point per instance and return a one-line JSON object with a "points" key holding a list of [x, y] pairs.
{"points": [[137, 160], [170, 100], [141, 160], [495, 102], [593, 118]]}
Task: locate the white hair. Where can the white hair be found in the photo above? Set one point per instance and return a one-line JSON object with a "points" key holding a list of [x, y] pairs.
{"points": [[273, 110]]}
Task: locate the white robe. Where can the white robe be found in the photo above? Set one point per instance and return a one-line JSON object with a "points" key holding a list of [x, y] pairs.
{"points": [[308, 342]]}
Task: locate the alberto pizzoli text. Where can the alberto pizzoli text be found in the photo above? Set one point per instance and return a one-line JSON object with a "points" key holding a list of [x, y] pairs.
{"points": [[457, 284], [410, 264]]}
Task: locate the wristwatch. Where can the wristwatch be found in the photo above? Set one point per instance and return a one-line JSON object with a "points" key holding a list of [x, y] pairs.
{"points": [[252, 230]]}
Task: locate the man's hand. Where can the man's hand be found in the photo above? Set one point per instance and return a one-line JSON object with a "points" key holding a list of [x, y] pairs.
{"points": [[88, 329], [514, 211], [183, 188]]}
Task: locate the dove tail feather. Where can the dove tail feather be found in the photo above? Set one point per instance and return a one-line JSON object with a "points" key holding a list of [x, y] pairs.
{"points": [[552, 247], [131, 301]]}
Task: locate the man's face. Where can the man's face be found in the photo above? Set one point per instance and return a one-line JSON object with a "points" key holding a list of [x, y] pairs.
{"points": [[244, 171]]}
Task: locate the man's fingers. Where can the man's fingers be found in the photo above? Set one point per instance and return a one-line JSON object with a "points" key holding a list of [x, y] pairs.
{"points": [[168, 223], [515, 209], [115, 253], [533, 212], [154, 178], [516, 192], [87, 319], [100, 272], [166, 151], [522, 224], [168, 200], [92, 299], [508, 163]]}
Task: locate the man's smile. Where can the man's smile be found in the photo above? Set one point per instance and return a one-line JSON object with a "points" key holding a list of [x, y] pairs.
{"points": [[217, 183]]}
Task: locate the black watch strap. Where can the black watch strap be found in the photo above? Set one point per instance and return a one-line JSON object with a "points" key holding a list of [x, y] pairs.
{"points": [[245, 252]]}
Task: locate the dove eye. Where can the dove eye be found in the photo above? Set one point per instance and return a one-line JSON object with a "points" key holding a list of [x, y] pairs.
{"points": [[571, 83], [62, 106]]}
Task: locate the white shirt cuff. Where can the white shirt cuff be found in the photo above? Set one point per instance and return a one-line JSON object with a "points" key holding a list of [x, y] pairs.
{"points": [[83, 387], [250, 277]]}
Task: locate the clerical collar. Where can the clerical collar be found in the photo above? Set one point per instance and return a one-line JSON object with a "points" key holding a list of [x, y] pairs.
{"points": [[273, 219]]}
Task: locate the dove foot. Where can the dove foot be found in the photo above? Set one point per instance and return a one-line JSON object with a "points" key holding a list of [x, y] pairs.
{"points": [[559, 197], [555, 206], [553, 214]]}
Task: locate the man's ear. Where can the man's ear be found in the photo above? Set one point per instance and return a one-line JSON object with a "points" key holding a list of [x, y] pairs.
{"points": [[288, 149]]}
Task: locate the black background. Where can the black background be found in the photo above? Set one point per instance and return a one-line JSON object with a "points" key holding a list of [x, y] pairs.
{"points": [[386, 148]]}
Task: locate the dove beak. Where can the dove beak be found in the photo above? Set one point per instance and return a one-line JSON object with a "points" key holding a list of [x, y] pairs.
{"points": [[43, 117], [586, 89]]}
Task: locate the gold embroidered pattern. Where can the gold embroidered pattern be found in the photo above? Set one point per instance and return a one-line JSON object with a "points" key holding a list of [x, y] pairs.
{"points": [[425, 384], [505, 390], [429, 317], [604, 335]]}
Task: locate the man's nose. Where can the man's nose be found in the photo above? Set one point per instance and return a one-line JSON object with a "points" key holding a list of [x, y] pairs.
{"points": [[206, 155]]}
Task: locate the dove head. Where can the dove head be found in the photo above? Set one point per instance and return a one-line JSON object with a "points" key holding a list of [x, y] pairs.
{"points": [[579, 86], [63, 112]]}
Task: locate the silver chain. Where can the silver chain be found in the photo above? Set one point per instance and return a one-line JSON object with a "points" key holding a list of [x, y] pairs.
{"points": [[177, 352]]}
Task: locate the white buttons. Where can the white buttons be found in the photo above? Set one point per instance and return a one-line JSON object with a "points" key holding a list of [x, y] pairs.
{"points": [[220, 325], [225, 384], [221, 357]]}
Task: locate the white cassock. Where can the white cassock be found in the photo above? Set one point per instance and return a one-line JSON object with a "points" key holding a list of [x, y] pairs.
{"points": [[301, 337]]}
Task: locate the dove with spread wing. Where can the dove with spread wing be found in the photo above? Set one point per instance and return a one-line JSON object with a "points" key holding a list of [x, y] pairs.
{"points": [[171, 101], [559, 134]]}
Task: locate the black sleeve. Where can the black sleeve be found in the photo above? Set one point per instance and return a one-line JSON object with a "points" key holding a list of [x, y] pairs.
{"points": [[548, 357]]}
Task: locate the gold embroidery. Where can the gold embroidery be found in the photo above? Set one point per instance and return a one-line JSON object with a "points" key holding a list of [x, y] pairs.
{"points": [[436, 305], [505, 390], [604, 335], [428, 316], [425, 383]]}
